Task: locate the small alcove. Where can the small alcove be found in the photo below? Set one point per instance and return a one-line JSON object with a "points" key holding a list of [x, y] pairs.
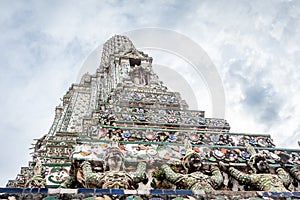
{"points": [[134, 61]]}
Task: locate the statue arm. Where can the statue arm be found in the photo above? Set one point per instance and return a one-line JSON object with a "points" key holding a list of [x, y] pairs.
{"points": [[89, 176], [216, 178], [240, 176], [170, 174], [140, 174], [284, 176]]}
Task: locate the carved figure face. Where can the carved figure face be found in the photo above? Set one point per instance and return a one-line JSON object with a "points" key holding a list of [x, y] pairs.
{"points": [[262, 166], [97, 166], [297, 174], [194, 163], [115, 162]]}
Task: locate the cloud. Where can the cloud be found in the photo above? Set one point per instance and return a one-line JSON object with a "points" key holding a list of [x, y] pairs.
{"points": [[264, 102]]}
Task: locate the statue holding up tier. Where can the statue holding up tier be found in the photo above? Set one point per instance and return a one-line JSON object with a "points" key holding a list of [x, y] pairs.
{"points": [[114, 175], [194, 179], [295, 171], [37, 180], [261, 178]]}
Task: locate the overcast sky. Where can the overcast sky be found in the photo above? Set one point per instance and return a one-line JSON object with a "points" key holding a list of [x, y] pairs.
{"points": [[255, 45]]}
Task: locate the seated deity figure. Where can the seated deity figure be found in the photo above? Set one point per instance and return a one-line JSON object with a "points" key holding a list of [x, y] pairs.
{"points": [[114, 175], [140, 74], [262, 179], [194, 179]]}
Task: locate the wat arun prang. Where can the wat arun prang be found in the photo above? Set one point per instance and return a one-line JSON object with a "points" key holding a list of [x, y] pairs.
{"points": [[121, 128]]}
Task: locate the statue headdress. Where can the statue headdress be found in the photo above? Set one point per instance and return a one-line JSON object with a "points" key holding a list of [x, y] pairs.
{"points": [[188, 152], [253, 158], [114, 150]]}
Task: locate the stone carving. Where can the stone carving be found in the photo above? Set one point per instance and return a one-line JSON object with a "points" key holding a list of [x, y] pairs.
{"points": [[114, 175], [295, 171], [140, 74], [261, 178], [75, 179], [193, 179], [37, 180]]}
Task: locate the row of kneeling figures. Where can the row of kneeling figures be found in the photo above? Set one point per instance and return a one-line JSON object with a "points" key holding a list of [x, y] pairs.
{"points": [[189, 173], [192, 174]]}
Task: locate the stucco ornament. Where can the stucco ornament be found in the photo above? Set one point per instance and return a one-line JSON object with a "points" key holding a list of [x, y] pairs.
{"points": [[194, 179], [261, 179], [114, 175]]}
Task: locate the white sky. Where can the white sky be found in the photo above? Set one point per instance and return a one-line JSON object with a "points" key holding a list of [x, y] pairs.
{"points": [[255, 46]]}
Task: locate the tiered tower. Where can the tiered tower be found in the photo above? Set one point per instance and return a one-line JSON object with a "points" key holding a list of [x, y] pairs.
{"points": [[122, 128]]}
